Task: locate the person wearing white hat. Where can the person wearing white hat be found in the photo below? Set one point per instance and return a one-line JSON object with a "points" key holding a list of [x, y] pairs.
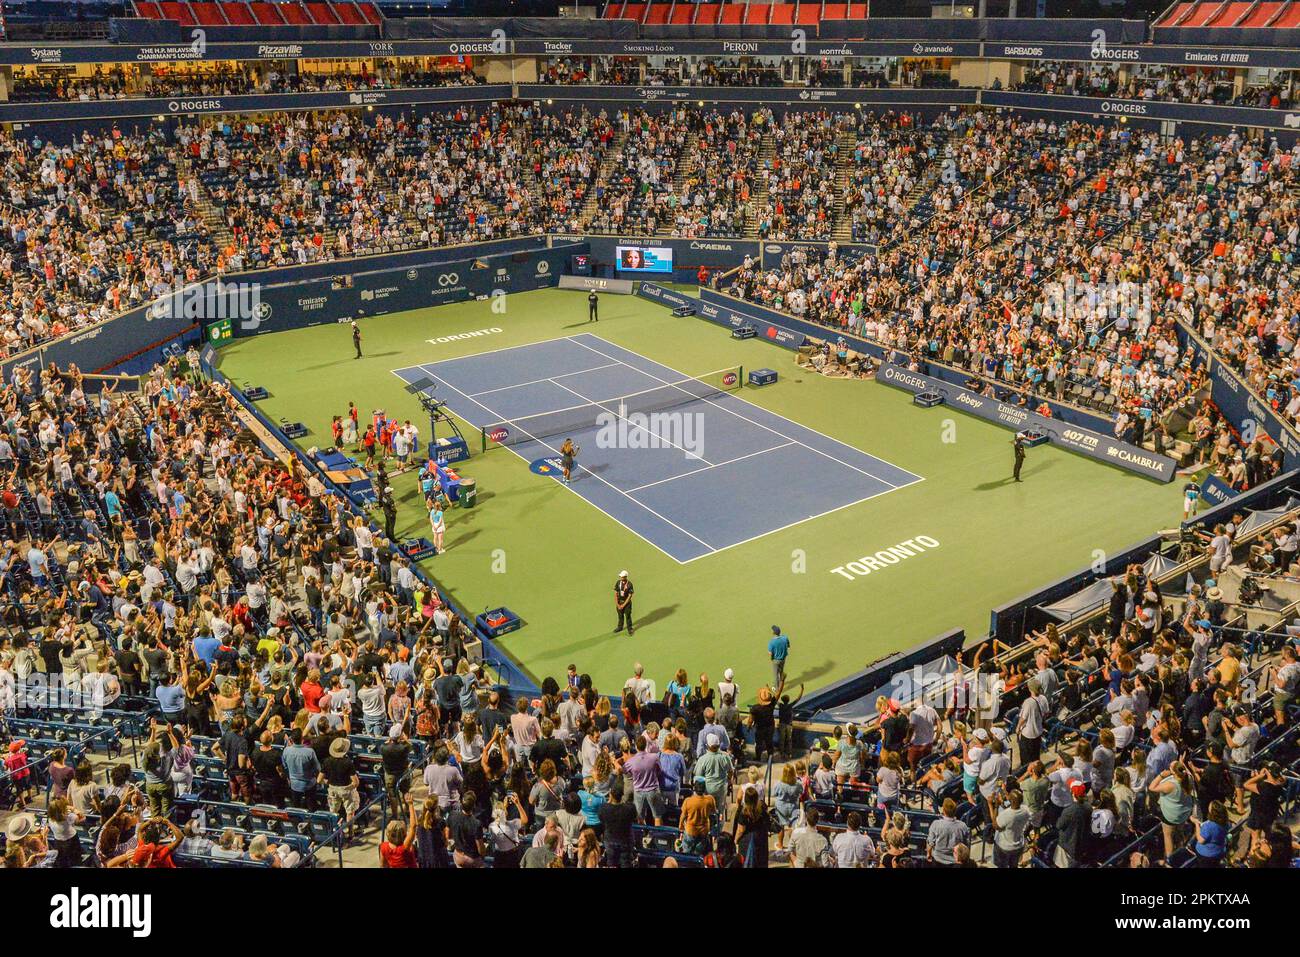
{"points": [[623, 591], [20, 827], [716, 768], [727, 687]]}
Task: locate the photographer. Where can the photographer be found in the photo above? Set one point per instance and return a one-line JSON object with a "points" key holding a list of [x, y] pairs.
{"points": [[1009, 826]]}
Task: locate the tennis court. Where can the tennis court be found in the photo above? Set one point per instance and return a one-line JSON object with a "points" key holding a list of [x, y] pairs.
{"points": [[693, 468]]}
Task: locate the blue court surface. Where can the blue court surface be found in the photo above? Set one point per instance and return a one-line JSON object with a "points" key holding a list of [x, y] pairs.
{"points": [[741, 472]]}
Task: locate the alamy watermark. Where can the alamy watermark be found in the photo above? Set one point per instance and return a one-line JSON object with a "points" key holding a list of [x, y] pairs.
{"points": [[651, 430], [965, 691], [214, 301], [1070, 299], [40, 692]]}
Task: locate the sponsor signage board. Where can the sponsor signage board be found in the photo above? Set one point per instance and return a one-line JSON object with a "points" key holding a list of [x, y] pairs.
{"points": [[1075, 438]]}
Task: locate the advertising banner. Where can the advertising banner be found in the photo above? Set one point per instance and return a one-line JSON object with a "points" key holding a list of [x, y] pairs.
{"points": [[135, 337], [765, 323], [622, 287], [347, 296], [1075, 438], [648, 96], [688, 255], [927, 102], [788, 46], [760, 315], [657, 293], [197, 48], [195, 106], [107, 345], [1100, 107], [1246, 412], [1216, 491], [1100, 51], [685, 254]]}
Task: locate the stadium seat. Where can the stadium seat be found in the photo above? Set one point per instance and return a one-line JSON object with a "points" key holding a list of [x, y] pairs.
{"points": [[1174, 16], [657, 14], [782, 14], [1288, 17], [1261, 14], [707, 13], [266, 13], [322, 13], [732, 14], [238, 14], [296, 13], [208, 14], [178, 10], [683, 14], [808, 14]]}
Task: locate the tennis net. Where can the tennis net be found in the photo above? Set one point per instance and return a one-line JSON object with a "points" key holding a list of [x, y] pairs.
{"points": [[544, 425]]}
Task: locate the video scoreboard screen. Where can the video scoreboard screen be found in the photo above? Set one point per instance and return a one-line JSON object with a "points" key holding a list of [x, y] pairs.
{"points": [[656, 259]]}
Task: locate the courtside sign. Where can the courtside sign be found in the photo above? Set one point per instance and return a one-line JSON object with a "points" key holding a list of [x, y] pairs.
{"points": [[1072, 437]]}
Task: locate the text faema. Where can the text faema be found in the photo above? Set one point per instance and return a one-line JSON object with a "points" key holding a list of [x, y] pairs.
{"points": [[77, 911]]}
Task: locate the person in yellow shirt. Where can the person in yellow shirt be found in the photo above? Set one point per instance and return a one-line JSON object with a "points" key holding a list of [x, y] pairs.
{"points": [[269, 643], [1229, 668]]}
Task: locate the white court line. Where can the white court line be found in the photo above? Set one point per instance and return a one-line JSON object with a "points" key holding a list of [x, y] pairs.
{"points": [[712, 550], [496, 416], [800, 521], [489, 352], [715, 465], [766, 428], [563, 375], [689, 453]]}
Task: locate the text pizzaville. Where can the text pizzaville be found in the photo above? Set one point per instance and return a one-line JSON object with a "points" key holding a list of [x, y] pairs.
{"points": [[881, 560]]}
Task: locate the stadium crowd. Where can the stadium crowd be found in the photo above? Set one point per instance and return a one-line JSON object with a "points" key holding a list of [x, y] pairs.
{"points": [[1050, 257], [279, 655], [154, 558], [1055, 259], [91, 229], [1169, 84], [801, 183], [118, 83]]}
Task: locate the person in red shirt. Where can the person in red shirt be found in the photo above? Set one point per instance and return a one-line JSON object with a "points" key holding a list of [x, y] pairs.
{"points": [[20, 775], [312, 691], [398, 847], [151, 851], [240, 614], [9, 498]]}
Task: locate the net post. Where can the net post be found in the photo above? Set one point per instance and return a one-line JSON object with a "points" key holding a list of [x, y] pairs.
{"points": [[742, 376], [483, 439]]}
